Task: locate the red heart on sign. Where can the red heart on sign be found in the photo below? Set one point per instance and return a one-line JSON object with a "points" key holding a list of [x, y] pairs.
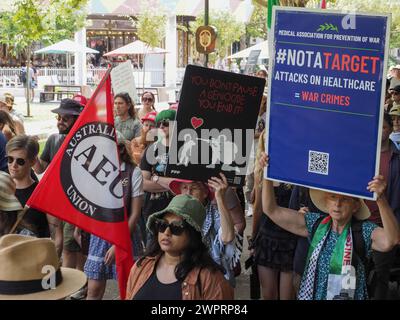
{"points": [[196, 122]]}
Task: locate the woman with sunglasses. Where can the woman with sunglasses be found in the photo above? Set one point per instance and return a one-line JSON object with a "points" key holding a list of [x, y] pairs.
{"points": [[148, 101], [126, 122], [177, 265], [146, 137]]}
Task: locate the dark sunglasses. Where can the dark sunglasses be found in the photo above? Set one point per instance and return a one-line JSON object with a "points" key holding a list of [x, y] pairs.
{"points": [[63, 118], [395, 93], [147, 99], [165, 123], [20, 161], [176, 228]]}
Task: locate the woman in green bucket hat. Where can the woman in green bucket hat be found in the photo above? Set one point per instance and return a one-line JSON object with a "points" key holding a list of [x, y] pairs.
{"points": [[177, 265]]}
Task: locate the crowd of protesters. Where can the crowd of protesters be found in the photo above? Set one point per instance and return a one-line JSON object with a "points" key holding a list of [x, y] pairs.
{"points": [[188, 236]]}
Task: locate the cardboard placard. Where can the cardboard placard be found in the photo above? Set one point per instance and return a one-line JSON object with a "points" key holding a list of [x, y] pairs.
{"points": [[214, 129], [122, 80], [252, 62], [326, 96]]}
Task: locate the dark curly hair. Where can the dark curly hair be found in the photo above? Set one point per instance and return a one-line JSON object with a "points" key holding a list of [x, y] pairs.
{"points": [[128, 100], [195, 255]]}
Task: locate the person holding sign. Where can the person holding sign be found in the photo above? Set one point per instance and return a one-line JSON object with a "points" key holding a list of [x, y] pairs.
{"points": [[222, 204], [333, 270]]}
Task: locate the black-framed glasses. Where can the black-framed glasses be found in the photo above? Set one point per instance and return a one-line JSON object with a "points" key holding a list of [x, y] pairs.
{"points": [[164, 123], [63, 118], [21, 162], [395, 93], [145, 99], [176, 228]]}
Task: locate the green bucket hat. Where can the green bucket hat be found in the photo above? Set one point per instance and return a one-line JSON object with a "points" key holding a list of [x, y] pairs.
{"points": [[168, 114], [185, 206]]}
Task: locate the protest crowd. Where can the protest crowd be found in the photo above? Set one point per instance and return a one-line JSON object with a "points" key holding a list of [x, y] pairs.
{"points": [[187, 236]]}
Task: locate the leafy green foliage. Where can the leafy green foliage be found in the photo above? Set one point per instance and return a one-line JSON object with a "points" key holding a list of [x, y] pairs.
{"points": [[32, 21], [46, 21], [378, 7], [257, 27], [151, 27]]}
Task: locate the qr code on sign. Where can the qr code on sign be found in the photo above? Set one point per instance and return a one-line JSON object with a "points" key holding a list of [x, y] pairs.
{"points": [[318, 162]]}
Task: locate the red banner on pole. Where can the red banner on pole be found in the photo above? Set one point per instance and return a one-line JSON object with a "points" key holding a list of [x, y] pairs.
{"points": [[82, 184]]}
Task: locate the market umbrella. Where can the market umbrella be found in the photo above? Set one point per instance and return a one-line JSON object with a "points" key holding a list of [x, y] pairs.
{"points": [[67, 47], [136, 47]]}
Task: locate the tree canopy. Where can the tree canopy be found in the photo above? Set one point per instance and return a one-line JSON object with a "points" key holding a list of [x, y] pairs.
{"points": [[47, 21], [379, 7], [151, 27]]}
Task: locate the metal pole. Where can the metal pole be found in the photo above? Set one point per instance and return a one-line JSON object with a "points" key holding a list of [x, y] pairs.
{"points": [[206, 23]]}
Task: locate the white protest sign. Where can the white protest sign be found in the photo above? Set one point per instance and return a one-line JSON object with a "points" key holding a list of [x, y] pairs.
{"points": [[122, 79]]}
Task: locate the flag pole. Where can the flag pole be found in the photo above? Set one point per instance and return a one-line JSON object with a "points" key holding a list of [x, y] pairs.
{"points": [[19, 219]]}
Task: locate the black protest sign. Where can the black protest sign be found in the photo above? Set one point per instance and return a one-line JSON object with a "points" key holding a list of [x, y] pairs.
{"points": [[214, 131], [252, 61]]}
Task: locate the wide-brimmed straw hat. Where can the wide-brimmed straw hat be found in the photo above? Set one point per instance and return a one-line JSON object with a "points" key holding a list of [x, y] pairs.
{"points": [[318, 197], [8, 200], [175, 186], [30, 270]]}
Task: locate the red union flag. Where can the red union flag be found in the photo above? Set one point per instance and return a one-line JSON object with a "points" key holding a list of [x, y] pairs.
{"points": [[82, 184]]}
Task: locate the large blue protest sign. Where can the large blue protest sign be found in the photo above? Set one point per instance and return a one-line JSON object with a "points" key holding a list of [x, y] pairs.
{"points": [[326, 91]]}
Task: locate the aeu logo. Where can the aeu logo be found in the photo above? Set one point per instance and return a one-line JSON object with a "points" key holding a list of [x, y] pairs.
{"points": [[90, 173]]}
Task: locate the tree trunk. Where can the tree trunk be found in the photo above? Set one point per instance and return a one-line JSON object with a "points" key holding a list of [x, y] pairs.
{"points": [[28, 82]]}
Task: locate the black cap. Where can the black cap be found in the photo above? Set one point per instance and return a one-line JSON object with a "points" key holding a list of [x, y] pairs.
{"points": [[69, 106], [396, 88]]}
